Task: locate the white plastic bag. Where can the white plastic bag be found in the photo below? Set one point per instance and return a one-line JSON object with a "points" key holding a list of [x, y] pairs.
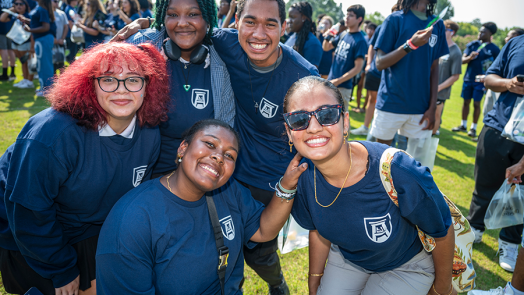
{"points": [[423, 150], [292, 237], [514, 129], [77, 35], [506, 207], [18, 34]]}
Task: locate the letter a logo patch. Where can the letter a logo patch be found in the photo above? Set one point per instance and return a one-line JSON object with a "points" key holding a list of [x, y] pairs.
{"points": [[138, 174], [267, 108], [200, 98], [228, 228], [378, 229]]}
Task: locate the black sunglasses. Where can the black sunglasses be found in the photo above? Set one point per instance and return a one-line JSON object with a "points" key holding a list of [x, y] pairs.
{"points": [[18, 4], [326, 116]]}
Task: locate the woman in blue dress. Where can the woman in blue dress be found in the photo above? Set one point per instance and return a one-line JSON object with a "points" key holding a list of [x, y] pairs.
{"points": [[73, 161], [371, 244]]}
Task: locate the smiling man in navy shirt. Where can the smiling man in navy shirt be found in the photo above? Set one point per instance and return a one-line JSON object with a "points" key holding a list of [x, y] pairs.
{"points": [[408, 53]]}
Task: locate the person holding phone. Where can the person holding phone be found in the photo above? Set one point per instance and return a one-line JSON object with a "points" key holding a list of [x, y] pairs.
{"points": [[494, 152]]}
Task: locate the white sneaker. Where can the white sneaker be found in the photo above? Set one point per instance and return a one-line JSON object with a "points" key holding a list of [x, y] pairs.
{"points": [[499, 291], [508, 255], [19, 83], [362, 130], [27, 84], [478, 235]]}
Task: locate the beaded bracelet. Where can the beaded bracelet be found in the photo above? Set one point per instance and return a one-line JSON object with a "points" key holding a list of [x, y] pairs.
{"points": [[285, 190], [284, 196]]}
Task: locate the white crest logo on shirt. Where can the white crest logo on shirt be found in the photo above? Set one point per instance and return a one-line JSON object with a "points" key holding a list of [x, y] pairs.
{"points": [[138, 174], [342, 49], [433, 40], [228, 228], [378, 229], [267, 108], [200, 98]]}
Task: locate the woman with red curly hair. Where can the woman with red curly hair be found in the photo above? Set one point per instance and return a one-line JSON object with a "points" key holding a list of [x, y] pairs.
{"points": [[73, 161]]}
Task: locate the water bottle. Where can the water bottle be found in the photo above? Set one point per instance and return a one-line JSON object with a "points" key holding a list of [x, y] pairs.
{"points": [[333, 32]]}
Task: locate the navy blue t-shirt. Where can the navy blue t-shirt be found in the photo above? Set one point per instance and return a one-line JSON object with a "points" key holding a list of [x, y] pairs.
{"points": [[327, 59], [90, 39], [373, 67], [154, 242], [509, 63], [405, 86], [312, 48], [370, 230], [38, 16], [32, 4], [187, 108], [264, 155], [351, 47], [62, 182], [5, 27], [482, 62], [146, 14]]}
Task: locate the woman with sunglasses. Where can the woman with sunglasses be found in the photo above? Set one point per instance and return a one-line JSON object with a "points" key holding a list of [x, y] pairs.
{"points": [[73, 161], [159, 239], [22, 51], [371, 245]]}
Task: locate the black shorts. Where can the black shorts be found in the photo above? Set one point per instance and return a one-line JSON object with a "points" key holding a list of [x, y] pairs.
{"points": [[372, 82], [18, 277]]}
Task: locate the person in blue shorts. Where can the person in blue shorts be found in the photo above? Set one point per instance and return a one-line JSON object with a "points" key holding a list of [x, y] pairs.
{"points": [[371, 243], [43, 29], [407, 47], [262, 71], [495, 153], [163, 229], [351, 48], [73, 161], [200, 85], [479, 55], [302, 28]]}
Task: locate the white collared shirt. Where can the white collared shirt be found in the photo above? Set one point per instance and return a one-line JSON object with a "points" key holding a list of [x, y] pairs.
{"points": [[106, 130]]}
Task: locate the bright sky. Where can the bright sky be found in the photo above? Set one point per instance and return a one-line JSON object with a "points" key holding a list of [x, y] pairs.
{"points": [[505, 13]]}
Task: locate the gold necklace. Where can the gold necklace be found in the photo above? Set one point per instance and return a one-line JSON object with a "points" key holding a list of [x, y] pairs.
{"points": [[315, 180], [167, 180]]}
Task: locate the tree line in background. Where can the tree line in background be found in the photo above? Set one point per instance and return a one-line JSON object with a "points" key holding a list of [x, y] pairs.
{"points": [[467, 33]]}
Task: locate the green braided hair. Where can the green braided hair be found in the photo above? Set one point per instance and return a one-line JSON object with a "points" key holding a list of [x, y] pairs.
{"points": [[207, 7]]}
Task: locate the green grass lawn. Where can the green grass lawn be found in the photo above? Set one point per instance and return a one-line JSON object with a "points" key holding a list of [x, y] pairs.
{"points": [[453, 174]]}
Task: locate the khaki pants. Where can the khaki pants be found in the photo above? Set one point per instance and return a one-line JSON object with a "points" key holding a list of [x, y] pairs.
{"points": [[341, 277]]}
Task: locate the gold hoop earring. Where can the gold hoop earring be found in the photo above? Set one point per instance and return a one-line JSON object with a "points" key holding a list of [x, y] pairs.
{"points": [[290, 146], [346, 134]]}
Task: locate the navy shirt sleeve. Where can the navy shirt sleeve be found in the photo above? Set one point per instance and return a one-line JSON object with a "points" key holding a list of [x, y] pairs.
{"points": [[313, 50], [135, 16], [388, 35], [336, 39], [420, 200], [251, 211], [442, 44], [32, 214], [300, 210], [360, 50]]}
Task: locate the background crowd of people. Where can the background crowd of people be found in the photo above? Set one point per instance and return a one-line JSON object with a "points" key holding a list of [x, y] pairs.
{"points": [[229, 88]]}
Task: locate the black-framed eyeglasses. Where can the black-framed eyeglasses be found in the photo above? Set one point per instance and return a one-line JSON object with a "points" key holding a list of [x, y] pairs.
{"points": [[18, 4], [111, 84], [326, 116]]}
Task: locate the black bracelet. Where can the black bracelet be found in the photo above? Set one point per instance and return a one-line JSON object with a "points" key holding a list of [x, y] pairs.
{"points": [[149, 20]]}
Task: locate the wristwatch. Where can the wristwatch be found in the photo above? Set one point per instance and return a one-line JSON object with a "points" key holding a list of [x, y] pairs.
{"points": [[406, 48]]}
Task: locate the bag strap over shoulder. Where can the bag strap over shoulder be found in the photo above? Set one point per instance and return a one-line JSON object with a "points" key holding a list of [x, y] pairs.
{"points": [[223, 251], [387, 181]]}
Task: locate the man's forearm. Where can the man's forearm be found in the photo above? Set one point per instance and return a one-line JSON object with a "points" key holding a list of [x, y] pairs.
{"points": [[349, 75], [385, 61], [371, 54], [433, 85], [496, 83], [327, 46], [448, 82]]}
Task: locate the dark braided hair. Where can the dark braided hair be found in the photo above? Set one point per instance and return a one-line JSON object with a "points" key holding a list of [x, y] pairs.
{"points": [[207, 7], [405, 5], [308, 26]]}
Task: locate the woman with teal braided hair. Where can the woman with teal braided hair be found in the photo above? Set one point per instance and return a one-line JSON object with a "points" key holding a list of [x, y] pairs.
{"points": [[199, 81]]}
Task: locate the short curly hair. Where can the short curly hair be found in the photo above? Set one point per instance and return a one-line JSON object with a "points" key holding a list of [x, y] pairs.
{"points": [[281, 9], [73, 92], [207, 7]]}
